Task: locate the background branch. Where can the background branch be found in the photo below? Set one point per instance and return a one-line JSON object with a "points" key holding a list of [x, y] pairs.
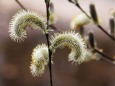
{"points": [[99, 26], [105, 57]]}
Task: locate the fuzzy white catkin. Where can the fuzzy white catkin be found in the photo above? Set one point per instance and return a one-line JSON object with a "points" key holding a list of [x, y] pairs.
{"points": [[21, 20], [72, 40], [39, 60], [112, 12], [79, 20]]}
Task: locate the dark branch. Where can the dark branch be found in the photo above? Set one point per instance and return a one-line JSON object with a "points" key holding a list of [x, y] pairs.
{"points": [[54, 28], [106, 33], [20, 5], [105, 57], [47, 37]]}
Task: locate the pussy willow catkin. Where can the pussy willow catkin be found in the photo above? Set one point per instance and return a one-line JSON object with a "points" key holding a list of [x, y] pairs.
{"points": [[79, 21], [39, 60], [72, 40], [21, 20]]}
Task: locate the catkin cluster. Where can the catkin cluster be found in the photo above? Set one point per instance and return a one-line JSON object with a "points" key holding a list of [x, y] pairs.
{"points": [[40, 55]]}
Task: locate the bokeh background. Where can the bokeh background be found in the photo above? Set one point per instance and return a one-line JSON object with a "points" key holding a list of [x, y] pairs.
{"points": [[15, 57]]}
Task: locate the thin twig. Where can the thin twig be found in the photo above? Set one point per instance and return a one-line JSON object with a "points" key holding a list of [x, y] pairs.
{"points": [[20, 5], [83, 10], [50, 54], [54, 28], [47, 37], [105, 57], [106, 32], [71, 1]]}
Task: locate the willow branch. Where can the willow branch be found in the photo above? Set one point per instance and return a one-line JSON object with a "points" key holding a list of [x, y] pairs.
{"points": [[99, 26], [83, 10], [47, 37], [106, 33]]}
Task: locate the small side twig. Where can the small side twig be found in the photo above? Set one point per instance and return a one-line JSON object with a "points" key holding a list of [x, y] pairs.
{"points": [[54, 28], [105, 57], [20, 5], [106, 32], [83, 10]]}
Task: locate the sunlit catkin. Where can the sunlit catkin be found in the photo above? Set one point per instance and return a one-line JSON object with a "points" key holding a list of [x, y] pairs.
{"points": [[72, 40]]}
